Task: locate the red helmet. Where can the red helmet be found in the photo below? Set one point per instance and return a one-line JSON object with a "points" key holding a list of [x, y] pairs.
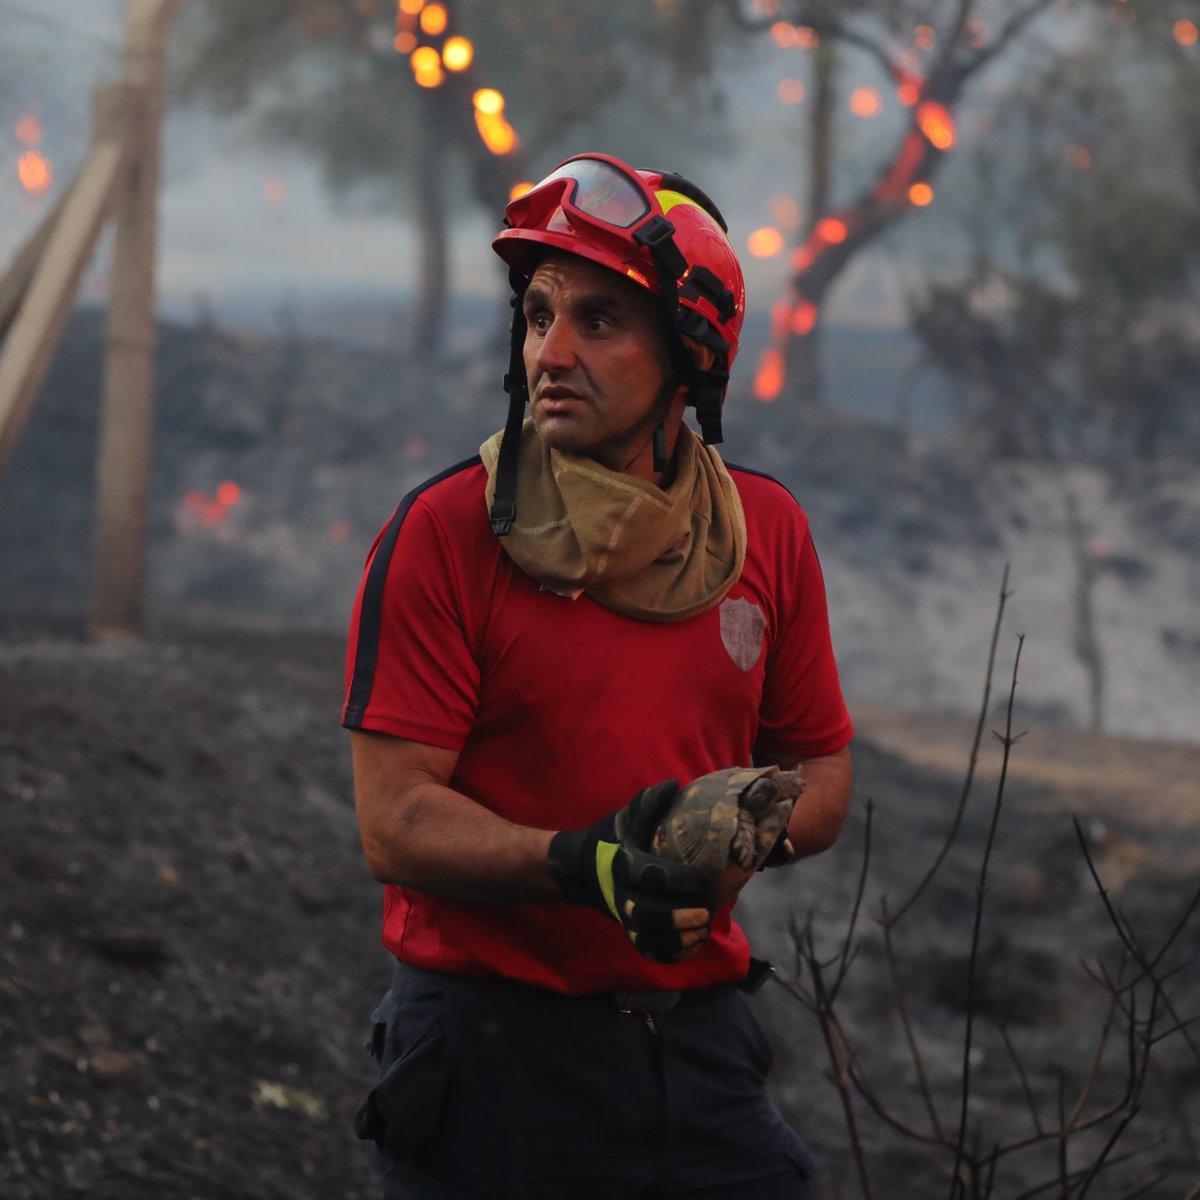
{"points": [[653, 227]]}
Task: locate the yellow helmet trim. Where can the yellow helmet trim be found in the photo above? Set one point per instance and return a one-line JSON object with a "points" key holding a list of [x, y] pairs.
{"points": [[668, 199]]}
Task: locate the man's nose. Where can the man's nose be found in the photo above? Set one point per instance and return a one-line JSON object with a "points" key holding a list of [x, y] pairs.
{"points": [[557, 348]]}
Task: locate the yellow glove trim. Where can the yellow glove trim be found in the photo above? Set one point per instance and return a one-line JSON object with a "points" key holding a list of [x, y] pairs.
{"points": [[605, 853]]}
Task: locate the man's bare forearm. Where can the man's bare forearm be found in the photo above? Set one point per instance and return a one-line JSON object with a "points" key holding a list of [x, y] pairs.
{"points": [[820, 812], [418, 832]]}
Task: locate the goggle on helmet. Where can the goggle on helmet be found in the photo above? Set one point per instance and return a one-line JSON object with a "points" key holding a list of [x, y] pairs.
{"points": [[653, 227]]}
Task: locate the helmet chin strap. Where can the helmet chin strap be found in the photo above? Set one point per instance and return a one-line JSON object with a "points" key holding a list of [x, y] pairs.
{"points": [[504, 501]]}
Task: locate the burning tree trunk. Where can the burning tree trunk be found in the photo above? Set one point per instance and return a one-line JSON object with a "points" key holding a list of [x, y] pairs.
{"points": [[836, 235]]}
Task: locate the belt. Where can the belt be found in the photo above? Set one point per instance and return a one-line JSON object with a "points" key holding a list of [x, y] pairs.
{"points": [[664, 1001]]}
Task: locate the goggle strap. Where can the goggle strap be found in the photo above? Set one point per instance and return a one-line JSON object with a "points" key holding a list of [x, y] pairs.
{"points": [[658, 236]]}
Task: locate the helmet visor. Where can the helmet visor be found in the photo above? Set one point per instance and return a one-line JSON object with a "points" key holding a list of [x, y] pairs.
{"points": [[602, 192]]}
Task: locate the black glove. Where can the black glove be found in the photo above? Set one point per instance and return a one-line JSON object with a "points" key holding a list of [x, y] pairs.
{"points": [[608, 868]]}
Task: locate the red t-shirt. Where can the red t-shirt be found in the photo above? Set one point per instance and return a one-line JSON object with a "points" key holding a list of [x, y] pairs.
{"points": [[561, 710]]}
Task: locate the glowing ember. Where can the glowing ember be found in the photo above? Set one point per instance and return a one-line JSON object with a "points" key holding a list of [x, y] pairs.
{"points": [[1187, 33], [275, 191], [765, 242], [802, 258], [804, 318], [519, 189], [920, 194], [865, 102], [806, 37], [908, 93], [1078, 157], [411, 6], [457, 54], [29, 130], [228, 493], [925, 37], [936, 124], [35, 173], [434, 19], [832, 230], [785, 210], [769, 380], [198, 506], [785, 35], [790, 91], [405, 42]]}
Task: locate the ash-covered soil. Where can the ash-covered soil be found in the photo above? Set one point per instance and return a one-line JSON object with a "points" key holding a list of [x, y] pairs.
{"points": [[188, 935]]}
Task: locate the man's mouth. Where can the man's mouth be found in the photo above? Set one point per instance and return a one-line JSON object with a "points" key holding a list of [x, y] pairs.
{"points": [[555, 397]]}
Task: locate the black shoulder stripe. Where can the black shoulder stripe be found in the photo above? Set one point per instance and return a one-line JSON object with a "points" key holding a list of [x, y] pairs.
{"points": [[761, 475], [370, 616]]}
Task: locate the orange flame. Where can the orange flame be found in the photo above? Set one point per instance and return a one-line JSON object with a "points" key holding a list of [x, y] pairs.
{"points": [[519, 189], [426, 65], [832, 230], [457, 54], [804, 318], [404, 42], [497, 134], [921, 194], [488, 101], [412, 7], [765, 242], [768, 383], [936, 124], [35, 173], [434, 19]]}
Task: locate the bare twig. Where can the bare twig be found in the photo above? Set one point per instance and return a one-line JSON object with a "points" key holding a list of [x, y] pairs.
{"points": [[1008, 741], [914, 1049], [1030, 1102], [976, 740]]}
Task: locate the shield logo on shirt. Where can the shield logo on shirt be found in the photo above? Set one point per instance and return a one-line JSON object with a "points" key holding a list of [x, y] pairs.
{"points": [[742, 629]]}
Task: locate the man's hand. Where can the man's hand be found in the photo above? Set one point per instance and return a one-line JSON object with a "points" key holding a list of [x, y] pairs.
{"points": [[663, 906]]}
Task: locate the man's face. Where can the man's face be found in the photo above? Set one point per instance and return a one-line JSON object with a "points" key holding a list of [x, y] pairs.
{"points": [[597, 362]]}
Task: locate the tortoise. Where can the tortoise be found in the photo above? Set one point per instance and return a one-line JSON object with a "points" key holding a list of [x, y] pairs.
{"points": [[727, 823]]}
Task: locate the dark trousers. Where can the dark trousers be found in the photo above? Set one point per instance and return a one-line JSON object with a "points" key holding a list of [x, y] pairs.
{"points": [[490, 1089]]}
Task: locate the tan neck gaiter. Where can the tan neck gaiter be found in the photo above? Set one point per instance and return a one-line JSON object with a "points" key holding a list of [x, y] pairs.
{"points": [[654, 554]]}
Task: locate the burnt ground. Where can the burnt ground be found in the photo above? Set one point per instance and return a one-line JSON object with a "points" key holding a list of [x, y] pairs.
{"points": [[188, 933]]}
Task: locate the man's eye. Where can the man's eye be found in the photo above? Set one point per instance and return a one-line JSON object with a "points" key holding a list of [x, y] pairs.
{"points": [[539, 321]]}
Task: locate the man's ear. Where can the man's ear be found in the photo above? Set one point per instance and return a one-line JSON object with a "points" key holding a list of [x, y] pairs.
{"points": [[703, 356]]}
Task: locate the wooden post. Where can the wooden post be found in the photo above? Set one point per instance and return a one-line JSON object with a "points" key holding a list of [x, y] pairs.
{"points": [[46, 297], [126, 414]]}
